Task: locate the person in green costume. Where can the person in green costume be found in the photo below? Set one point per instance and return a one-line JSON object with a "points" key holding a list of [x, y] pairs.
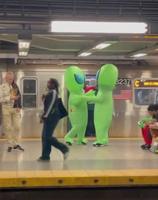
{"points": [[77, 105], [103, 110]]}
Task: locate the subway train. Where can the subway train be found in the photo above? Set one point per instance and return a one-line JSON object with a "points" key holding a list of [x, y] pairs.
{"points": [[128, 105]]}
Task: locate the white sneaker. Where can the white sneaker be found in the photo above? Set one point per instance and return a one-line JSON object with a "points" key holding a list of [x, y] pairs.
{"points": [[154, 149]]}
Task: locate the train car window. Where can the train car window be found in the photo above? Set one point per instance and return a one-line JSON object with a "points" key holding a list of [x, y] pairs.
{"points": [[146, 96], [145, 91], [29, 92], [29, 101], [29, 86]]}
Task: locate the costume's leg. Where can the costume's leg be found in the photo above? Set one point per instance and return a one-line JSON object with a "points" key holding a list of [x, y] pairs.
{"points": [[81, 135], [102, 120], [102, 136], [102, 130], [72, 133], [82, 130]]}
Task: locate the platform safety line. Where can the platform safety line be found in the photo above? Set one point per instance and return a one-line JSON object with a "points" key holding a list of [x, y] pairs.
{"points": [[78, 178]]}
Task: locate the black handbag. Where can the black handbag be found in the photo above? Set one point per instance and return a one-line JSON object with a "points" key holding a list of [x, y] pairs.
{"points": [[62, 110]]}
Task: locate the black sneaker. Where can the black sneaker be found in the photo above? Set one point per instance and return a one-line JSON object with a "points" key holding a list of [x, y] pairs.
{"points": [[18, 147], [145, 146], [98, 145], [43, 159], [9, 149]]}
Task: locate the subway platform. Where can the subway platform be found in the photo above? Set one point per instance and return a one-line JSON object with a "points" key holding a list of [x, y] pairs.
{"points": [[121, 163]]}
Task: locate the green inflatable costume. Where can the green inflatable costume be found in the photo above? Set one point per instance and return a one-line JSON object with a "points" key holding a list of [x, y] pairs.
{"points": [[103, 110], [77, 105]]}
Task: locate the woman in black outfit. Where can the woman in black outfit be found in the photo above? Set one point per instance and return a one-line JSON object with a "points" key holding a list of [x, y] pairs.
{"points": [[50, 119]]}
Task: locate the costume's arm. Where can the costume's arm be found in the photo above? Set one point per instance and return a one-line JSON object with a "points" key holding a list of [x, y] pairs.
{"points": [[90, 97], [90, 93]]}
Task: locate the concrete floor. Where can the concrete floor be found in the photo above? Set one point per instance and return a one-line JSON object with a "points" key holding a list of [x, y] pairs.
{"points": [[119, 154]]}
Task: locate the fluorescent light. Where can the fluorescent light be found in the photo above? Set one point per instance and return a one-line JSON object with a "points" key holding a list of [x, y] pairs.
{"points": [[23, 44], [139, 55], [23, 53], [98, 27], [84, 54], [101, 46]]}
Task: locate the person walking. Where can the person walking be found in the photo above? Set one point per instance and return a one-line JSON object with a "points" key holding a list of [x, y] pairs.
{"points": [[50, 118]]}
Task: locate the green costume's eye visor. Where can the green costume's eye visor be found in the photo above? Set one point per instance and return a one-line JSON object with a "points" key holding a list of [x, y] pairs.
{"points": [[80, 79]]}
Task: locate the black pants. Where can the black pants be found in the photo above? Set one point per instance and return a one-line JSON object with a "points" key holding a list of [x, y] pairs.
{"points": [[48, 140]]}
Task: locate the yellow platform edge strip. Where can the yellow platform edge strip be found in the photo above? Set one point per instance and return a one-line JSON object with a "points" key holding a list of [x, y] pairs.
{"points": [[78, 178]]}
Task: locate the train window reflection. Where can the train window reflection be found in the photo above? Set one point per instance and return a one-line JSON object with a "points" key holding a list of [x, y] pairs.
{"points": [[29, 86], [29, 92], [145, 96], [29, 101]]}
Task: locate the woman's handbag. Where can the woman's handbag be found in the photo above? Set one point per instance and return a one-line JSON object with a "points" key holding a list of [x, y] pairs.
{"points": [[62, 110]]}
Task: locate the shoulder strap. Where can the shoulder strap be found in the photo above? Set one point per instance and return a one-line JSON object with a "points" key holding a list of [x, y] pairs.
{"points": [[54, 95]]}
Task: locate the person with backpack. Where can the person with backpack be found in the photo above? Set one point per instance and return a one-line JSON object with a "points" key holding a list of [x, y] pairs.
{"points": [[50, 118]]}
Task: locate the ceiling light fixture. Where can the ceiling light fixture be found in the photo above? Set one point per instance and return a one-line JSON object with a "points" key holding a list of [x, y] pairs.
{"points": [[101, 46], [23, 53], [23, 44], [139, 55], [84, 54], [98, 27]]}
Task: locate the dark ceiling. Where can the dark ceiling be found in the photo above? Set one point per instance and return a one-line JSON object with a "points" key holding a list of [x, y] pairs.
{"points": [[18, 16], [46, 9], [37, 14]]}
